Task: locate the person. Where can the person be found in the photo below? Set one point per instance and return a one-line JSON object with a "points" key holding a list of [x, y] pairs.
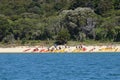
{"points": [[36, 49], [80, 46], [55, 45], [65, 46]]}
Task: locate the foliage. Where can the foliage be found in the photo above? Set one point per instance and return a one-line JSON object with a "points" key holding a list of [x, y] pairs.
{"points": [[80, 23], [63, 37], [78, 20]]}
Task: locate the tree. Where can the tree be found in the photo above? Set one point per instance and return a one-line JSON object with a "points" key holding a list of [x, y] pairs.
{"points": [[63, 37], [104, 6], [5, 28], [117, 4], [80, 21]]}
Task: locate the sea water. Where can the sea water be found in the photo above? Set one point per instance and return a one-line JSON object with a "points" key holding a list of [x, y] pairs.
{"points": [[84, 66]]}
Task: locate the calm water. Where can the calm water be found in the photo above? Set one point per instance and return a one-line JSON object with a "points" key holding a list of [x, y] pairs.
{"points": [[104, 66]]}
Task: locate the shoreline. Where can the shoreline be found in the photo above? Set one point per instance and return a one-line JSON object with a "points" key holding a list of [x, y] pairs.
{"points": [[61, 49]]}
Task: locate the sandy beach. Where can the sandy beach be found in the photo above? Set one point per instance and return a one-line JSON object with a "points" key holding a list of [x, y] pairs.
{"points": [[60, 49]]}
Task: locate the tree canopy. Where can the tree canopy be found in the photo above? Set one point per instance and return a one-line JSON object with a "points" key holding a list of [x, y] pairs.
{"points": [[63, 20]]}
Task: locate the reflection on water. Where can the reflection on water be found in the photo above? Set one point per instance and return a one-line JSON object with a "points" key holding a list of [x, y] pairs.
{"points": [[86, 66]]}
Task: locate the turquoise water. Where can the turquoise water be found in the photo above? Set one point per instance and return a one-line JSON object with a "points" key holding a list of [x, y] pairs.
{"points": [[87, 66]]}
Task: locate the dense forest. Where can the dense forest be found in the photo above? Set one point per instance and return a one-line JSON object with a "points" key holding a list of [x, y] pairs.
{"points": [[60, 20]]}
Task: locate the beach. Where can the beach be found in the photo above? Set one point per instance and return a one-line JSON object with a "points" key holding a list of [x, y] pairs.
{"points": [[60, 49]]}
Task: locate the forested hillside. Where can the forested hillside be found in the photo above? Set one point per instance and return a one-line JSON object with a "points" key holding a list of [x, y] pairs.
{"points": [[60, 20]]}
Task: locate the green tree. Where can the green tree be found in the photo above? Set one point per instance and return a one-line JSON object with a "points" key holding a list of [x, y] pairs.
{"points": [[117, 4], [63, 37], [104, 6], [79, 21], [5, 28]]}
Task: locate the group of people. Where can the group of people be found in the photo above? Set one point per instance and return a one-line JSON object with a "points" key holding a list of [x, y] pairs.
{"points": [[58, 48], [78, 48]]}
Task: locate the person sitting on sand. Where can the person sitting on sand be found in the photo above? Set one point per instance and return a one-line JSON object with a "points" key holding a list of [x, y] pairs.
{"points": [[35, 50], [80, 46]]}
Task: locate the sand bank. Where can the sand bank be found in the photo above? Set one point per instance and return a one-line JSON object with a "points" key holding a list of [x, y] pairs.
{"points": [[53, 49]]}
